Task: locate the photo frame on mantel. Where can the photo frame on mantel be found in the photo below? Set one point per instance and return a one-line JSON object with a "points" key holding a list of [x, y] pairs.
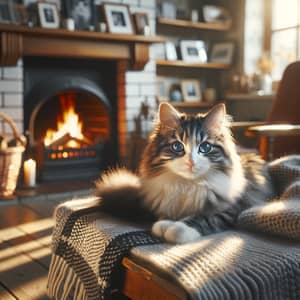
{"points": [[7, 14], [118, 18], [81, 11], [48, 15]]}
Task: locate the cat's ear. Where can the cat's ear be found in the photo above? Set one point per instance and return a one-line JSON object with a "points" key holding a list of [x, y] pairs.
{"points": [[168, 116], [215, 118]]}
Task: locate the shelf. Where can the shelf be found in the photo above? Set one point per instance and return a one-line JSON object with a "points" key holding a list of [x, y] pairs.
{"points": [[184, 64], [249, 97], [194, 25], [192, 104]]}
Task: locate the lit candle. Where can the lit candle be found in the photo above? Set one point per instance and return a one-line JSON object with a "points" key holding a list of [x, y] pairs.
{"points": [[29, 172]]}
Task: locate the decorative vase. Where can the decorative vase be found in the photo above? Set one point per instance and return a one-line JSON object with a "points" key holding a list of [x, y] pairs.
{"points": [[266, 83]]}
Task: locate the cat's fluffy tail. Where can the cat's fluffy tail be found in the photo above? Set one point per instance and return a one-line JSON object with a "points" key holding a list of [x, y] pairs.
{"points": [[120, 195]]}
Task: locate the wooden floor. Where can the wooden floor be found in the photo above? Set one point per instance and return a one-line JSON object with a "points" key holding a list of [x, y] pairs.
{"points": [[25, 239]]}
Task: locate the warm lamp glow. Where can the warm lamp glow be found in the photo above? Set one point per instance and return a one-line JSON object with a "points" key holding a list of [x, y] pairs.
{"points": [[69, 124], [282, 127]]}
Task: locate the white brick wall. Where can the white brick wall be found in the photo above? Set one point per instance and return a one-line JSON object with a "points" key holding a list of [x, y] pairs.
{"points": [[11, 91]]}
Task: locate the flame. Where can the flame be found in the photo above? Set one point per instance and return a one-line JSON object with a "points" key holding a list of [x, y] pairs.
{"points": [[68, 123]]}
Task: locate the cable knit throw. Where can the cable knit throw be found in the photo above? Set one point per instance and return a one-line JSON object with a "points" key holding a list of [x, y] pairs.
{"points": [[259, 259]]}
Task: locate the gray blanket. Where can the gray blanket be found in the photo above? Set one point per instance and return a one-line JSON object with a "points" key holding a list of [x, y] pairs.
{"points": [[259, 259]]}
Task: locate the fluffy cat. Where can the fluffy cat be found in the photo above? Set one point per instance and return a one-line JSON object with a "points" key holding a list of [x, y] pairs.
{"points": [[191, 181]]}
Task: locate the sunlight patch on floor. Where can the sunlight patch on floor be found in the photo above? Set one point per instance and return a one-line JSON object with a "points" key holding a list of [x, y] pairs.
{"points": [[30, 228], [11, 256]]}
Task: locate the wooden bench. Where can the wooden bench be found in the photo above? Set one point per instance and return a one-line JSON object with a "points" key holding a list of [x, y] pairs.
{"points": [[141, 283]]}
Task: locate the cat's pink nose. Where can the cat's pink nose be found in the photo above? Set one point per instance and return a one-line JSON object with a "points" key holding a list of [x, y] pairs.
{"points": [[190, 164]]}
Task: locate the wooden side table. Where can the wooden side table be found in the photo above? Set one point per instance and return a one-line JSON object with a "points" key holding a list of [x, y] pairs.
{"points": [[267, 134]]}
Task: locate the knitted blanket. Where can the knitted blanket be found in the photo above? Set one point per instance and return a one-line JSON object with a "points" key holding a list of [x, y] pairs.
{"points": [[260, 259]]}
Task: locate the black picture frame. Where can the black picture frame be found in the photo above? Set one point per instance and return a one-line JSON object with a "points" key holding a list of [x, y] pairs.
{"points": [[81, 11], [7, 13]]}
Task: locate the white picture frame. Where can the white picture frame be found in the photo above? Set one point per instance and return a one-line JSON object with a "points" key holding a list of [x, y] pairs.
{"points": [[48, 15], [170, 51], [222, 53], [193, 51], [191, 90], [118, 18]]}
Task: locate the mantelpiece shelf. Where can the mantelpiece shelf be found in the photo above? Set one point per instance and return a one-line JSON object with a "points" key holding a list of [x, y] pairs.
{"points": [[38, 31], [183, 64], [194, 25], [18, 41]]}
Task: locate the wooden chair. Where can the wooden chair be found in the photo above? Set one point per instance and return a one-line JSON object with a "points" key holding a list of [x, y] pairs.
{"points": [[280, 135]]}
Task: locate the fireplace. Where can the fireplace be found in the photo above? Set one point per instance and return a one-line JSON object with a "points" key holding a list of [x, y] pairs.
{"points": [[71, 115]]}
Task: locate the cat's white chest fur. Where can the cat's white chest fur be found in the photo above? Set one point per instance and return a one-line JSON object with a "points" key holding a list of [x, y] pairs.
{"points": [[173, 197]]}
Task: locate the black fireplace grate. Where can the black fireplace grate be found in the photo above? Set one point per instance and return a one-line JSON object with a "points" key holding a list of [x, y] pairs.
{"points": [[71, 163]]}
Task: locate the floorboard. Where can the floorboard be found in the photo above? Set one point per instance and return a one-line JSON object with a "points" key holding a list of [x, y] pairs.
{"points": [[42, 208], [25, 249], [5, 295], [24, 277], [13, 215]]}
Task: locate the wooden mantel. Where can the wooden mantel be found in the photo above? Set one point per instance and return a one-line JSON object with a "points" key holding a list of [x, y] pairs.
{"points": [[18, 41]]}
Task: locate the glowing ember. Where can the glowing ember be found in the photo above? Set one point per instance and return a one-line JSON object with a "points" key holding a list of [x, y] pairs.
{"points": [[68, 125]]}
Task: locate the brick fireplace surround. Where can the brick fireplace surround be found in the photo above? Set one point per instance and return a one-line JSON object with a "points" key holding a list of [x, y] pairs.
{"points": [[138, 85]]}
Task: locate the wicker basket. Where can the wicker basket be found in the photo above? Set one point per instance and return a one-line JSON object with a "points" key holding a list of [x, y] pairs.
{"points": [[10, 161]]}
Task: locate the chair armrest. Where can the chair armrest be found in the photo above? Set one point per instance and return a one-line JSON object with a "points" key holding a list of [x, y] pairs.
{"points": [[274, 130], [246, 125]]}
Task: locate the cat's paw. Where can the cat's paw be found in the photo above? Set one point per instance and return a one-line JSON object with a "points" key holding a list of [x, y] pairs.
{"points": [[159, 228], [175, 232], [180, 233]]}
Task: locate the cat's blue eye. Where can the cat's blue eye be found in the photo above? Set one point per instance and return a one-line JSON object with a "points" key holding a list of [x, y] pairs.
{"points": [[177, 146], [205, 147]]}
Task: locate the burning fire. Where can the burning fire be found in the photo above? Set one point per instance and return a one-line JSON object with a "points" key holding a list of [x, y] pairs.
{"points": [[69, 127]]}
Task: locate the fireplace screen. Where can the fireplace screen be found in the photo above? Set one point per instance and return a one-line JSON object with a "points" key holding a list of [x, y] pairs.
{"points": [[70, 131]]}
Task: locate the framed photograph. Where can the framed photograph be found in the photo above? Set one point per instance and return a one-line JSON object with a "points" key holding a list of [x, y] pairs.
{"points": [[81, 11], [21, 14], [7, 13], [193, 51], [118, 18], [222, 53], [175, 94], [191, 90], [170, 51], [48, 15], [141, 20]]}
